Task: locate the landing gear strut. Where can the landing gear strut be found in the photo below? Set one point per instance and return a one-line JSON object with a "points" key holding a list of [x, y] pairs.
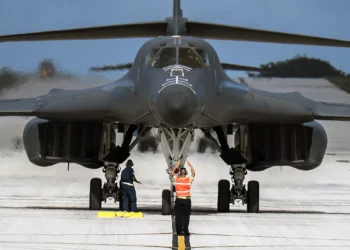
{"points": [[239, 191], [237, 161], [112, 160], [109, 190], [176, 144]]}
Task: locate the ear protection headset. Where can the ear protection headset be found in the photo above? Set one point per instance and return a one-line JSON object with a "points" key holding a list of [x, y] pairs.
{"points": [[129, 163]]}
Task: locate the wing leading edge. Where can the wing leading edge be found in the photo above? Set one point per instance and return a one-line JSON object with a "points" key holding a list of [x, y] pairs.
{"points": [[108, 103], [18, 107], [317, 110], [332, 111], [66, 105]]}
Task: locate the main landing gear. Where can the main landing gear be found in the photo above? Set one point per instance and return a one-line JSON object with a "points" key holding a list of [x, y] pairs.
{"points": [[109, 190], [238, 192], [112, 160], [235, 158], [176, 144]]}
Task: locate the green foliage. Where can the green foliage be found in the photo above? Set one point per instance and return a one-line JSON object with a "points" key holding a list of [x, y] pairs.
{"points": [[304, 67], [46, 70], [342, 82], [10, 79], [299, 67]]}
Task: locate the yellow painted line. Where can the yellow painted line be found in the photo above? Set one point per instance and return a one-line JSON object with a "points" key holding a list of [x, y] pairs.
{"points": [[119, 214], [133, 215], [181, 242], [111, 214], [105, 214]]}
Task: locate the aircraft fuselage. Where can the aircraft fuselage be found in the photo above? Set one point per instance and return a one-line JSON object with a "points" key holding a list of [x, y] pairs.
{"points": [[176, 80]]}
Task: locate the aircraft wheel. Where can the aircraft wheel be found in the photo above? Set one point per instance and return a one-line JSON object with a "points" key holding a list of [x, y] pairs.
{"points": [[95, 198], [90, 201], [224, 196], [166, 202], [253, 197]]}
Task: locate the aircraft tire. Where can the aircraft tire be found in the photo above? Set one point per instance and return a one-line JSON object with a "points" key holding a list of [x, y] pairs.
{"points": [[253, 197], [223, 196], [95, 194], [166, 202]]}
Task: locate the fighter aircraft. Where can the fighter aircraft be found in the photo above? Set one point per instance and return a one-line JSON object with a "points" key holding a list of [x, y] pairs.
{"points": [[177, 85]]}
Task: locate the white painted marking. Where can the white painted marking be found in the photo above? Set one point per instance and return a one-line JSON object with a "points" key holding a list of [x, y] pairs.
{"points": [[180, 83], [177, 66]]}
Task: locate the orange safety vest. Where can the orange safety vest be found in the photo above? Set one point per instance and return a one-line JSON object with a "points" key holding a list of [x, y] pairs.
{"points": [[182, 186]]}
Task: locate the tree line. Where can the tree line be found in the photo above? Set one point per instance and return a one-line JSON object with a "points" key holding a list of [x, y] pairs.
{"points": [[296, 67], [46, 69], [304, 67]]}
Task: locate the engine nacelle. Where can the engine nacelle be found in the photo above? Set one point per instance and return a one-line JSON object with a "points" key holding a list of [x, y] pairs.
{"points": [[47, 143], [302, 147]]}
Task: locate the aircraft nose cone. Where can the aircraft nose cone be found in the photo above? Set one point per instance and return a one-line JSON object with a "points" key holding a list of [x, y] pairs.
{"points": [[176, 105]]}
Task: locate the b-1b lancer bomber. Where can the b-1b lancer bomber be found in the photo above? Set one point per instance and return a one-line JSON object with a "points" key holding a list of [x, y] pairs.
{"points": [[176, 84]]}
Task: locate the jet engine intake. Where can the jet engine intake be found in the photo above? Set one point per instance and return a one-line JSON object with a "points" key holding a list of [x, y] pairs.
{"points": [[47, 143], [300, 146]]}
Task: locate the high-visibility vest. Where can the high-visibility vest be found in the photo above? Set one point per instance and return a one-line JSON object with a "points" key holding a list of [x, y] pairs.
{"points": [[182, 186]]}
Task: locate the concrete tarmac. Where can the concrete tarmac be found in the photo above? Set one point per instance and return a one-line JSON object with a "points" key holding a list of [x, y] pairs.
{"points": [[46, 208]]}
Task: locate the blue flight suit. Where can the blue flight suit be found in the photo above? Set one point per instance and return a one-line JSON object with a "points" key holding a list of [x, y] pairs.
{"points": [[128, 189]]}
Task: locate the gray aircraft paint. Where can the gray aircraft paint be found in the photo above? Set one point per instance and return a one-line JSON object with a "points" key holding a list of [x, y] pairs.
{"points": [[175, 95], [135, 98]]}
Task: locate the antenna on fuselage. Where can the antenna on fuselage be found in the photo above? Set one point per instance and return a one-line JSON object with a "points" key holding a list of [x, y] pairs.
{"points": [[177, 11]]}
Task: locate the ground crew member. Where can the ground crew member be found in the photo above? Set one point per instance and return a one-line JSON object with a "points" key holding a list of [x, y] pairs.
{"points": [[128, 189], [183, 198]]}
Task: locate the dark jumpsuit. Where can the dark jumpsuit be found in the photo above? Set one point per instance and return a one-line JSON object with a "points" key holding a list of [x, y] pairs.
{"points": [[182, 215], [128, 191]]}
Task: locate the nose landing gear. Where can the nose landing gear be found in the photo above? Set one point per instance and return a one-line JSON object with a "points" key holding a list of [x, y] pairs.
{"points": [[176, 144]]}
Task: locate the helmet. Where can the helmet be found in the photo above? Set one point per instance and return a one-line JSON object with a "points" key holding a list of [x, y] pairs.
{"points": [[129, 163], [181, 169]]}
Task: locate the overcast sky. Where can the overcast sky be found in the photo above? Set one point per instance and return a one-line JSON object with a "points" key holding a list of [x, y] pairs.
{"points": [[328, 18]]}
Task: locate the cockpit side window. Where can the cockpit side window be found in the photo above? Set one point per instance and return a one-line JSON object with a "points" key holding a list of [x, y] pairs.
{"points": [[151, 55], [164, 58], [203, 55], [188, 57]]}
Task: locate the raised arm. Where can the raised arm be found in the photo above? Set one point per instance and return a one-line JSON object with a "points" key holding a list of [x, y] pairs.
{"points": [[176, 167], [192, 170]]}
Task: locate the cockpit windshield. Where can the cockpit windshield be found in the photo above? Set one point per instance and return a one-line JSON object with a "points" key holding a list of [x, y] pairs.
{"points": [[164, 58], [187, 56]]}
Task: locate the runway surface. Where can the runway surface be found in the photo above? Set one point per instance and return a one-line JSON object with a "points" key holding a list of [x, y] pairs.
{"points": [[46, 208]]}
